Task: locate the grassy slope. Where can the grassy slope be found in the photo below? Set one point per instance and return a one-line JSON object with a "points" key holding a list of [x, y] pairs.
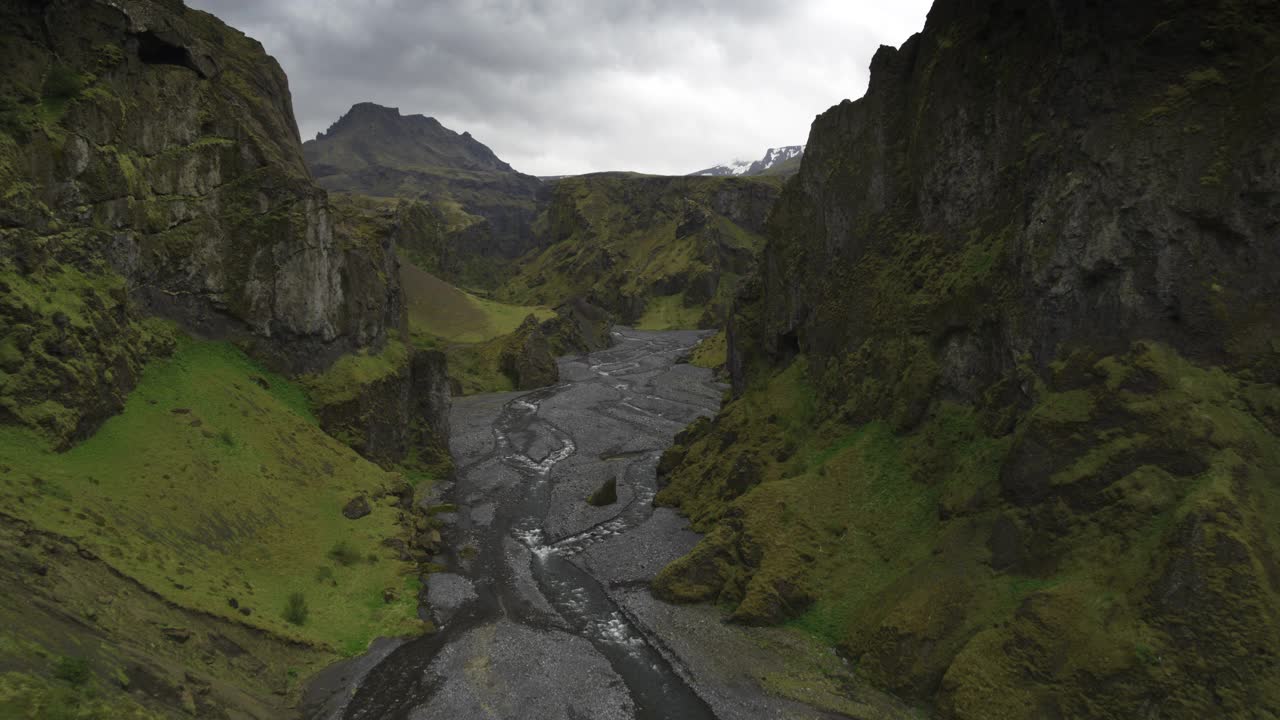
{"points": [[443, 311], [669, 313], [711, 353], [210, 487], [470, 329]]}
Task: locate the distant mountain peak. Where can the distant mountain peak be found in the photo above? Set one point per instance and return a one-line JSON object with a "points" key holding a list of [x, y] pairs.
{"points": [[381, 136], [776, 161]]}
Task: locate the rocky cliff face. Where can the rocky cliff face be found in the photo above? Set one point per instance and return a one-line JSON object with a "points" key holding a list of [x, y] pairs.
{"points": [[392, 409], [1007, 378], [528, 356], [203, 213], [658, 251]]}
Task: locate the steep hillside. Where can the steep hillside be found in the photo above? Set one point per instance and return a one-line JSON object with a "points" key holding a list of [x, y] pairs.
{"points": [[176, 532], [776, 161], [1006, 418], [497, 347], [487, 207], [658, 252]]}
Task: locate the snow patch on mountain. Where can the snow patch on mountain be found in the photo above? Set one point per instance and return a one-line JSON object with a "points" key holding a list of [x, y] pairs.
{"points": [[772, 158]]}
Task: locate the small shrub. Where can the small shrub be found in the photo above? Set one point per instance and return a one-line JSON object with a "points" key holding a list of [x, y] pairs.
{"points": [[345, 555], [74, 670], [295, 610], [227, 438], [62, 83], [324, 574]]}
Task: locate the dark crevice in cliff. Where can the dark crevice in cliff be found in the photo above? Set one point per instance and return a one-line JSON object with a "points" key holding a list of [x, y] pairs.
{"points": [[156, 50]]}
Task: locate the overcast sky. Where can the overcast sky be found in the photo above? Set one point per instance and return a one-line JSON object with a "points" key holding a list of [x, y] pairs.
{"points": [[570, 86]]}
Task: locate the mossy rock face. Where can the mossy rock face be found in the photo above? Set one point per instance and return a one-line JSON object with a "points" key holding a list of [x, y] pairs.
{"points": [[392, 406], [527, 358], [204, 214], [656, 252], [1003, 420]]}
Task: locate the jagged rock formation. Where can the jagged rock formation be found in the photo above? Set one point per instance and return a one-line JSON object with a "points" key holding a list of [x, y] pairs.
{"points": [[652, 250], [204, 213], [528, 355], [487, 208], [153, 198], [390, 408], [1006, 417], [776, 161]]}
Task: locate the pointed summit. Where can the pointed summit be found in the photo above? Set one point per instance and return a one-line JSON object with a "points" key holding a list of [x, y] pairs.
{"points": [[373, 135]]}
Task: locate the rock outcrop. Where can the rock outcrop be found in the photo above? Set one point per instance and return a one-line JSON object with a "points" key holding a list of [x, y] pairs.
{"points": [[204, 213], [669, 247], [1006, 408], [528, 355], [392, 408]]}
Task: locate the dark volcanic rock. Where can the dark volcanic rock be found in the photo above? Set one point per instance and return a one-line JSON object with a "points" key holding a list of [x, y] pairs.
{"points": [[1045, 236], [357, 508], [204, 213]]}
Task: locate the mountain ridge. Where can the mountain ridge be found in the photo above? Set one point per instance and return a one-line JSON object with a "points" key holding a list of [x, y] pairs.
{"points": [[485, 207], [784, 160]]}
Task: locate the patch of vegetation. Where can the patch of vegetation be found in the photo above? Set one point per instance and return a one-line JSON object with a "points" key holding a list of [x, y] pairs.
{"points": [[344, 380], [711, 353], [669, 313], [74, 670], [29, 697], [478, 368], [473, 332], [295, 609], [344, 554], [157, 494], [440, 310]]}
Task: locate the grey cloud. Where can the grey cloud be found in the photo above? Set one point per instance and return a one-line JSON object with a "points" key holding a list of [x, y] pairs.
{"points": [[561, 86]]}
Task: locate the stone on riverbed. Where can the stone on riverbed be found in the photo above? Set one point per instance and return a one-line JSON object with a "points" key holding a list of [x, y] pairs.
{"points": [[606, 495]]}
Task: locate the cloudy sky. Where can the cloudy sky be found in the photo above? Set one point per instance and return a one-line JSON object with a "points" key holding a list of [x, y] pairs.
{"points": [[571, 86]]}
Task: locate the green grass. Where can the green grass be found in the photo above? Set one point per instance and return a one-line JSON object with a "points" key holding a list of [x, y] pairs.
{"points": [[345, 379], [471, 330], [669, 313], [441, 310], [711, 353], [161, 495], [29, 697], [477, 368]]}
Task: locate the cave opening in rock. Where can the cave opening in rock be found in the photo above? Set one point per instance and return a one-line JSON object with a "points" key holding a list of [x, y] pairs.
{"points": [[155, 50], [788, 345]]}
